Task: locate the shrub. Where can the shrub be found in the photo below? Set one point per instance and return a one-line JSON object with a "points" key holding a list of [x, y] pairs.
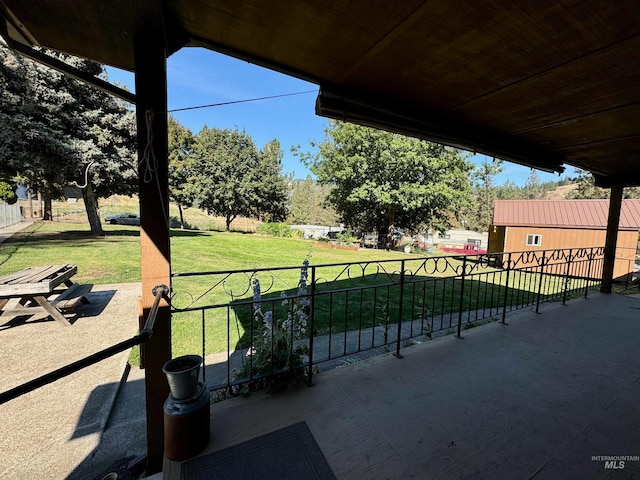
{"points": [[346, 238], [276, 229]]}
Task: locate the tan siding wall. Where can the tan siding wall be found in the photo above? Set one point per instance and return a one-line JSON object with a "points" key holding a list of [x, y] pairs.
{"points": [[555, 238]]}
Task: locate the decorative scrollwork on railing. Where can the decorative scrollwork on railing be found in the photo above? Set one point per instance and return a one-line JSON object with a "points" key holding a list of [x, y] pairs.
{"points": [[236, 286], [225, 286]]}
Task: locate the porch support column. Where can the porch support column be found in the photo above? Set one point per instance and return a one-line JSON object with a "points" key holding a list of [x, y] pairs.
{"points": [[615, 204], [151, 111]]}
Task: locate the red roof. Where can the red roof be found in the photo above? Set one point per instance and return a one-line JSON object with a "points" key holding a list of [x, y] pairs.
{"points": [[564, 213]]}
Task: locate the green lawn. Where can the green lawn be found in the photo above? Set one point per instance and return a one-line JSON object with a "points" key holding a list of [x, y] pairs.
{"points": [[115, 258]]}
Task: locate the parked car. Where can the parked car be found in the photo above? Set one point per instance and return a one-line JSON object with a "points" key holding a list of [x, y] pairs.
{"points": [[123, 219]]}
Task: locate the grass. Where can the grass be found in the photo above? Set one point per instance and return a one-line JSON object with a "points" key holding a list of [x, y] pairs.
{"points": [[115, 258]]}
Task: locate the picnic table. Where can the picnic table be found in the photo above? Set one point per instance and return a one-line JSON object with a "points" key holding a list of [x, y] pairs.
{"points": [[37, 288]]}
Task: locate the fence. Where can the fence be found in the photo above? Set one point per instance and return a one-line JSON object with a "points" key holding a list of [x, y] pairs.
{"points": [[253, 324], [10, 215]]}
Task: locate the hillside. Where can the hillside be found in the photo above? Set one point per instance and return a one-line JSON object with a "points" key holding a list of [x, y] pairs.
{"points": [[561, 192]]}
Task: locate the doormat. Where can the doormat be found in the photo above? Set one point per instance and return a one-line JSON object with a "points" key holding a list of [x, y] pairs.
{"points": [[290, 453]]}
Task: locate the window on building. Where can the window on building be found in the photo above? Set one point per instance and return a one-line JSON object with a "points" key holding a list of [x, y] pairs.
{"points": [[534, 240]]}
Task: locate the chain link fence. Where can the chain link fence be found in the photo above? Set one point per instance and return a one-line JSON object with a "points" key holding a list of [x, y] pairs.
{"points": [[10, 215]]}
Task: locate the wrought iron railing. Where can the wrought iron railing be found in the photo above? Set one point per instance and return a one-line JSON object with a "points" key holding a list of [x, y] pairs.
{"points": [[251, 324]]}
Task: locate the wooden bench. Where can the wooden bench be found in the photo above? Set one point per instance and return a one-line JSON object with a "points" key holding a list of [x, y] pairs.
{"points": [[73, 295]]}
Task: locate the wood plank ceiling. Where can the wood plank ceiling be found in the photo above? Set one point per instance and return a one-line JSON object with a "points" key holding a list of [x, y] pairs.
{"points": [[540, 83]]}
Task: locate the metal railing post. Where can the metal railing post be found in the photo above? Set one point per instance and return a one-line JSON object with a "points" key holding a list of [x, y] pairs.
{"points": [[540, 282], [586, 283], [311, 325], [566, 277], [464, 271], [506, 291], [397, 352]]}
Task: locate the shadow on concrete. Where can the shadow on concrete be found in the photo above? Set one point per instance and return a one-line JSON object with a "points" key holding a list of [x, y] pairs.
{"points": [[98, 302], [122, 447]]}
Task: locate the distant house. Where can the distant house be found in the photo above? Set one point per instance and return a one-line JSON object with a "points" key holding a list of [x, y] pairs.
{"points": [[526, 225]]}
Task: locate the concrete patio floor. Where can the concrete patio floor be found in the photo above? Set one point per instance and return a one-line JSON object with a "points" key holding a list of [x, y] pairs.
{"points": [[536, 399], [55, 430]]}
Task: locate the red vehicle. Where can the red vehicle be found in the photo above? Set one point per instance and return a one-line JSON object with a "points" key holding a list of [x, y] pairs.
{"points": [[469, 248]]}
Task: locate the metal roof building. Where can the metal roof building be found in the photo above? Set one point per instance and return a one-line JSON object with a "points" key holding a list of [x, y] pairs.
{"points": [[564, 213], [539, 225]]}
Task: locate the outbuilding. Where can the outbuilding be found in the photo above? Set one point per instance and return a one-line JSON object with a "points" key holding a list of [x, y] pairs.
{"points": [[536, 225]]}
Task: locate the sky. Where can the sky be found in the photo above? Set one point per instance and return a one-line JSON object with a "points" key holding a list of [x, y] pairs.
{"points": [[198, 77]]}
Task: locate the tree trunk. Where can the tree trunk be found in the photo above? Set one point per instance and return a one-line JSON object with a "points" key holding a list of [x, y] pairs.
{"points": [[228, 221], [181, 216], [91, 207], [39, 215], [47, 214], [390, 228], [30, 200]]}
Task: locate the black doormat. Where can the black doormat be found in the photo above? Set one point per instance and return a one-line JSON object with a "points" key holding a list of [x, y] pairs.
{"points": [[290, 453]]}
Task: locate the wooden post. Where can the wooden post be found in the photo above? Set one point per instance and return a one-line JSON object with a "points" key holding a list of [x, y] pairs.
{"points": [[615, 204], [151, 111]]}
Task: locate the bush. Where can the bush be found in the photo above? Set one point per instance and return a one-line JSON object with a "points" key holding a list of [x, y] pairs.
{"points": [[346, 238], [277, 229], [174, 222]]}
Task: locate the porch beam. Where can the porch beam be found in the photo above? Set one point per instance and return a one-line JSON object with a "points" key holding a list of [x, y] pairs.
{"points": [[615, 205], [151, 112]]}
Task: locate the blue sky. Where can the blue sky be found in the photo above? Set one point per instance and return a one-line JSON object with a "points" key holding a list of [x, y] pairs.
{"points": [[200, 77]]}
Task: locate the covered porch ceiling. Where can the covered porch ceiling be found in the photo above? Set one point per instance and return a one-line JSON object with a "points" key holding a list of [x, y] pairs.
{"points": [[542, 83]]}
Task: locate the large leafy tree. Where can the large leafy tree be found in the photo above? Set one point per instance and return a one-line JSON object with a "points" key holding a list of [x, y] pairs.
{"points": [[54, 127], [381, 179], [231, 178]]}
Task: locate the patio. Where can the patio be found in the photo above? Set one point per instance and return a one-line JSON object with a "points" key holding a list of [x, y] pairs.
{"points": [[49, 432], [537, 398]]}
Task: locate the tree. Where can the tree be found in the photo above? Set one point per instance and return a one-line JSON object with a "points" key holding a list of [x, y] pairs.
{"points": [[509, 191], [272, 189], [587, 189], [309, 204], [57, 126], [7, 193], [532, 189], [485, 194], [380, 179], [180, 145], [231, 178]]}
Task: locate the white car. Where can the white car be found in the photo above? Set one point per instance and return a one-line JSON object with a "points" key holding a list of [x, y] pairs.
{"points": [[123, 219]]}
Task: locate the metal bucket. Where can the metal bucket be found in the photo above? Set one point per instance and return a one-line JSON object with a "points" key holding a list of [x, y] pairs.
{"points": [[182, 376]]}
